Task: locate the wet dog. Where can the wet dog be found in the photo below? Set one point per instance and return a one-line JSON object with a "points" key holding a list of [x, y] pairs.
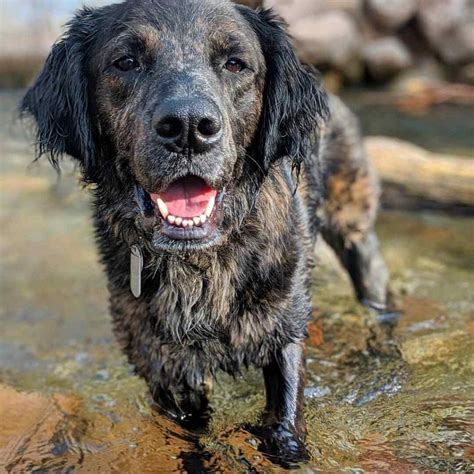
{"points": [[215, 164]]}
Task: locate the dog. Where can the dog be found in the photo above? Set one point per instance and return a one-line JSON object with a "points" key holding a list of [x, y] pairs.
{"points": [[216, 160]]}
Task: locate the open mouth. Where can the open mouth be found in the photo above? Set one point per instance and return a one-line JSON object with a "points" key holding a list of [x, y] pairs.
{"points": [[187, 208]]}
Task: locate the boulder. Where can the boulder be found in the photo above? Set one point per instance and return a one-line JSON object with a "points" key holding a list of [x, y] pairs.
{"points": [[428, 73], [448, 25], [293, 10], [392, 14], [353, 7], [386, 57], [466, 74], [250, 3], [331, 38], [438, 16], [456, 46]]}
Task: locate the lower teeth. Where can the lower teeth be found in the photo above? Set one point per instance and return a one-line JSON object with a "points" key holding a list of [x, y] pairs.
{"points": [[185, 223]]}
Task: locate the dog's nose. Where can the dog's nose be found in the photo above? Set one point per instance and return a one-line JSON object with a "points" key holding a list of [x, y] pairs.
{"points": [[188, 123]]}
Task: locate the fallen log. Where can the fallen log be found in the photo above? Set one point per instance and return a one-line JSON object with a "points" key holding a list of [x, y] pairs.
{"points": [[422, 97], [413, 176]]}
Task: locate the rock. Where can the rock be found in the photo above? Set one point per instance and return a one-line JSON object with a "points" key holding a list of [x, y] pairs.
{"points": [[449, 25], [250, 3], [331, 38], [457, 45], [432, 348], [416, 80], [317, 392], [353, 7], [31, 425], [466, 74], [391, 14], [386, 57], [293, 10], [439, 16], [315, 334]]}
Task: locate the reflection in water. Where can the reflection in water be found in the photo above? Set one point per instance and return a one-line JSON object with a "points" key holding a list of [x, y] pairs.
{"points": [[69, 400]]}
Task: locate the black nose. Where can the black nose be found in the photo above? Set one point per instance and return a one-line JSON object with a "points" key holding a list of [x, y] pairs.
{"points": [[188, 123]]}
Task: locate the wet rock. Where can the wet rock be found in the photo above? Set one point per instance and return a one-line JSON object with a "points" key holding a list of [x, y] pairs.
{"points": [[29, 423], [377, 455], [448, 25], [315, 334], [102, 375], [82, 358], [386, 57], [331, 39], [391, 14], [432, 348], [317, 392], [363, 393]]}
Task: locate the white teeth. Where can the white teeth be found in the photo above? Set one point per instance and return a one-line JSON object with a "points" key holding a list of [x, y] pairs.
{"points": [[210, 206], [185, 222], [180, 222], [163, 208]]}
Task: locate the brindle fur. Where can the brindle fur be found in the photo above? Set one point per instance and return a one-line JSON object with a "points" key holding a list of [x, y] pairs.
{"points": [[244, 297]]}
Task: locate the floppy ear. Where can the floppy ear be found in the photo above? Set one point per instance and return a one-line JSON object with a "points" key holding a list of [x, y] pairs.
{"points": [[295, 105], [58, 100]]}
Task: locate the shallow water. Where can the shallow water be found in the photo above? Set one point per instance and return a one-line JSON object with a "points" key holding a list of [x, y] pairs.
{"points": [[446, 128], [69, 400]]}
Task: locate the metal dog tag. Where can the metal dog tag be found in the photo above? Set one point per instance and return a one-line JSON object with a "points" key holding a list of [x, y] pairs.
{"points": [[136, 267]]}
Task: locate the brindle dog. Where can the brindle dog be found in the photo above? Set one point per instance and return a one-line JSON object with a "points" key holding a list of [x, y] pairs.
{"points": [[211, 149]]}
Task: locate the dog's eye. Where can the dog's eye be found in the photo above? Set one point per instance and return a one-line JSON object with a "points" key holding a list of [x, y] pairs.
{"points": [[235, 65], [126, 63]]}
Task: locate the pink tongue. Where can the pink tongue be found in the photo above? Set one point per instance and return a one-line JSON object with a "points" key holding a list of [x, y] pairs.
{"points": [[187, 197]]}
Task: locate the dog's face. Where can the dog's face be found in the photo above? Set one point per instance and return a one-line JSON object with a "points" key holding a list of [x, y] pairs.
{"points": [[179, 91], [177, 111]]}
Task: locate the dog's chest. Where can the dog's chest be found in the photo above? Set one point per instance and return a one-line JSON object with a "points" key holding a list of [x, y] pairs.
{"points": [[196, 305]]}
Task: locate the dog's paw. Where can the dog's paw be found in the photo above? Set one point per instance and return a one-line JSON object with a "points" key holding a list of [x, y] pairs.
{"points": [[284, 444], [281, 445], [191, 419]]}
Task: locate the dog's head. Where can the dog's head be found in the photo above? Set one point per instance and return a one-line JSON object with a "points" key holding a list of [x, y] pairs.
{"points": [[177, 111]]}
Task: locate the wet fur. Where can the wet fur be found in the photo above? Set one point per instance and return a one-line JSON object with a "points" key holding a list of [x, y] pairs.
{"points": [[245, 298]]}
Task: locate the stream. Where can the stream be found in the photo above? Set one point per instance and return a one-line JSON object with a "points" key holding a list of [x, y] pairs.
{"points": [[70, 402]]}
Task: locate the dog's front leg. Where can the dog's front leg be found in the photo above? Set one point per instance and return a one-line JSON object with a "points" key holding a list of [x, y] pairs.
{"points": [[185, 403], [285, 431]]}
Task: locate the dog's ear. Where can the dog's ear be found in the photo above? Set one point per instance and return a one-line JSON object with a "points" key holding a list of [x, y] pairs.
{"points": [[295, 105], [58, 100]]}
